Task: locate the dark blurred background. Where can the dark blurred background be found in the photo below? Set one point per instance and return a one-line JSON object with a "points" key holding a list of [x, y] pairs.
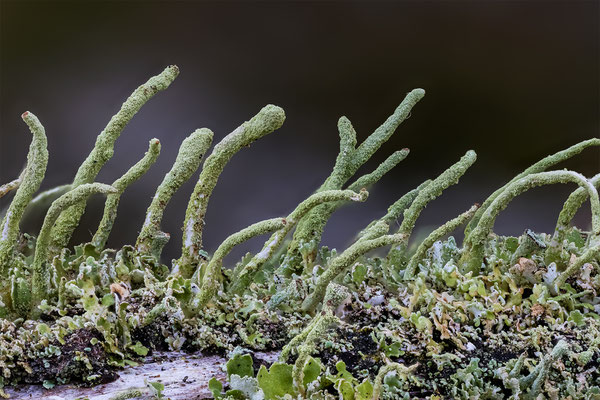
{"points": [[515, 81]]}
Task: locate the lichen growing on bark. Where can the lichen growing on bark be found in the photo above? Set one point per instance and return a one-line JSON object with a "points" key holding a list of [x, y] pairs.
{"points": [[495, 317]]}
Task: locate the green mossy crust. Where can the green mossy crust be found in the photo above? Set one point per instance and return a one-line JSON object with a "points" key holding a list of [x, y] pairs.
{"points": [[497, 317]]}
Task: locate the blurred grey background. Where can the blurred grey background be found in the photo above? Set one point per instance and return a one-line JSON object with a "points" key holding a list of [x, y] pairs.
{"points": [[513, 80]]}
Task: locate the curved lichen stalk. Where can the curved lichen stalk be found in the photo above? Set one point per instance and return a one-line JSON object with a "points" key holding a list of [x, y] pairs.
{"points": [[44, 199], [436, 235], [344, 261], [112, 200], [428, 193], [266, 121], [37, 160], [473, 255], [349, 160], [570, 208], [103, 151], [244, 277], [41, 276], [213, 274], [397, 208], [151, 239], [540, 166]]}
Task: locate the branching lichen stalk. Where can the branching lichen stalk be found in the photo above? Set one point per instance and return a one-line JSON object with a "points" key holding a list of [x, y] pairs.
{"points": [[266, 121], [211, 278], [344, 261], [349, 160], [151, 239], [436, 235], [428, 193], [243, 279], [369, 179], [103, 151], [37, 160], [398, 207], [40, 273], [365, 181], [112, 200]]}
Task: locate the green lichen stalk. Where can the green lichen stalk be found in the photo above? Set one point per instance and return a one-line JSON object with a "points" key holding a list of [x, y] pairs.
{"points": [[344, 261], [37, 160], [349, 160], [244, 277], [428, 193], [436, 235], [570, 208], [112, 200], [41, 276], [151, 239], [212, 275], [475, 241], [266, 121], [540, 166], [10, 186], [103, 151]]}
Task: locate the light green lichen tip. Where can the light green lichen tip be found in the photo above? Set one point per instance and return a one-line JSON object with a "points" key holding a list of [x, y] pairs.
{"points": [[349, 160], [37, 160], [244, 278], [539, 166], [436, 235], [112, 200], [103, 151], [151, 239], [266, 121], [40, 273], [212, 275]]}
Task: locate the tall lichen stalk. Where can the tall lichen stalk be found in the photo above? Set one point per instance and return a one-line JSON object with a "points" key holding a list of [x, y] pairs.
{"points": [[292, 274]]}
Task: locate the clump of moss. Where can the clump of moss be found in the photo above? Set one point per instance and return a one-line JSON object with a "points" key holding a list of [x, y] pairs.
{"points": [[496, 317]]}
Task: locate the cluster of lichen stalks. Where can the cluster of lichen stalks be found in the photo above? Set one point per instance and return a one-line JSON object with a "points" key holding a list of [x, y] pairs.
{"points": [[420, 297]]}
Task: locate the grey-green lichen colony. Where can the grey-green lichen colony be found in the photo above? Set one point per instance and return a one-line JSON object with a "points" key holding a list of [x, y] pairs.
{"points": [[496, 317]]}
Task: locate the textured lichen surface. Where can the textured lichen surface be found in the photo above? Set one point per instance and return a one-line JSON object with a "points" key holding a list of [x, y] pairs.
{"points": [[492, 318]]}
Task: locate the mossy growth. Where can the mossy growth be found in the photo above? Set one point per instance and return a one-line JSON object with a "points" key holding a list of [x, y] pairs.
{"points": [[492, 318]]}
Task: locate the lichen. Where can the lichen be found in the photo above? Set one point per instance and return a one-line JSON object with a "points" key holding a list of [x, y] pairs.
{"points": [[490, 318]]}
